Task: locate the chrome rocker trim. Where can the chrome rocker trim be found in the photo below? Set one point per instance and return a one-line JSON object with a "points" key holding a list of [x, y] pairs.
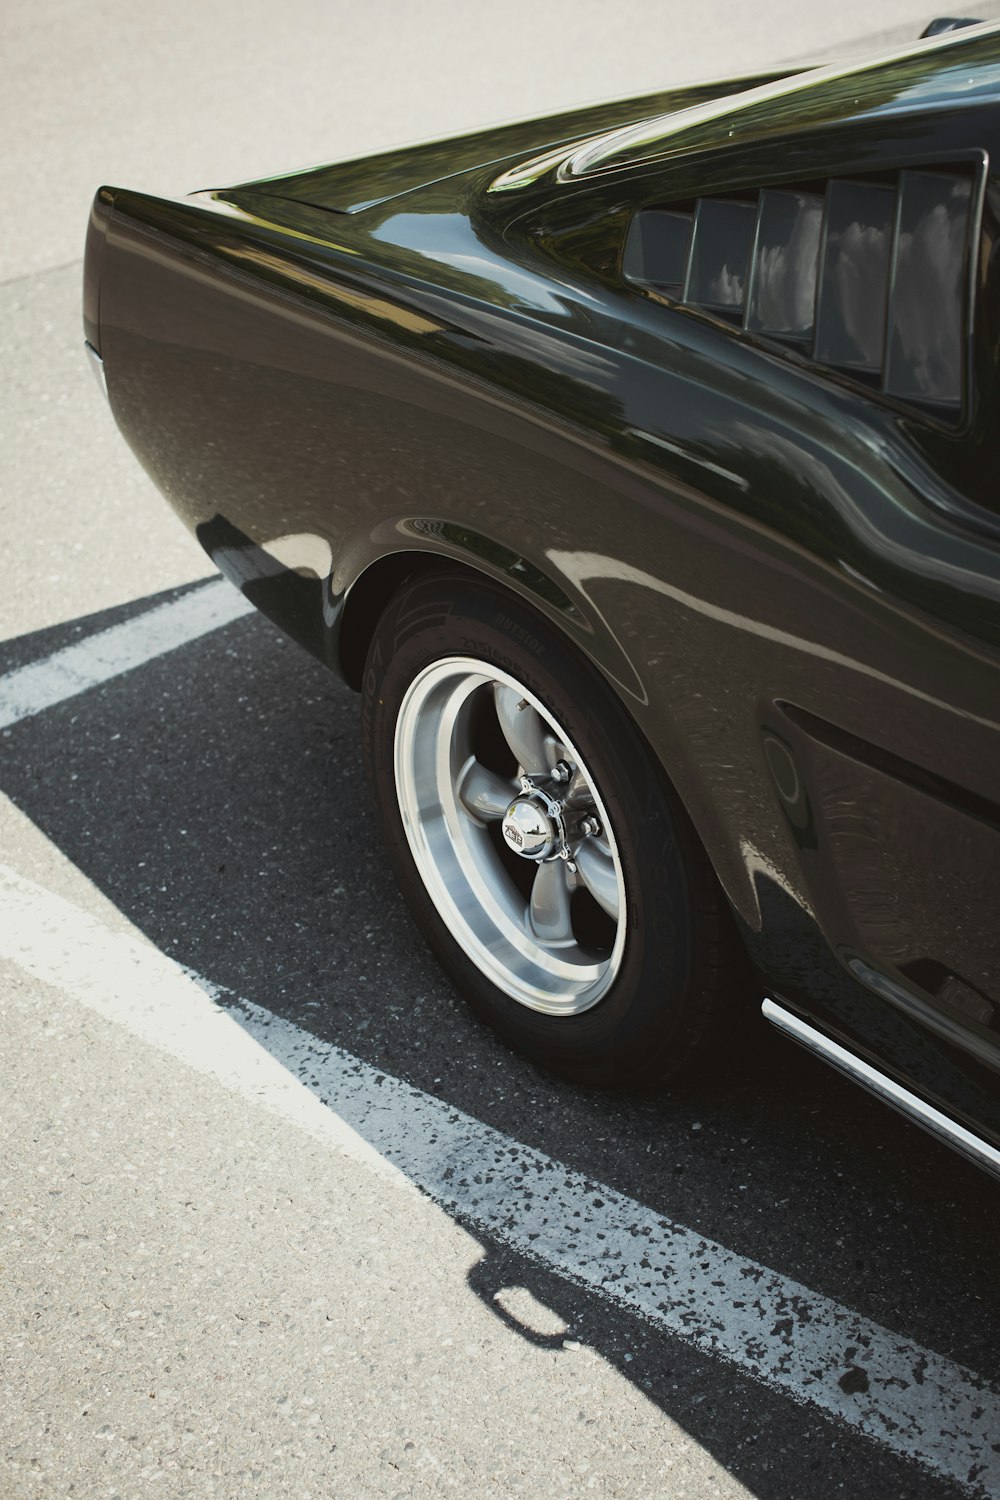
{"points": [[892, 1093]]}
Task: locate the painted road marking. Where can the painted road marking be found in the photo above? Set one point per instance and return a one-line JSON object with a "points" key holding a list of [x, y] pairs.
{"points": [[908, 1398], [109, 653]]}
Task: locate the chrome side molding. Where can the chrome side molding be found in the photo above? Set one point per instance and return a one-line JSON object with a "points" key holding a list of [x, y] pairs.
{"points": [[886, 1088]]}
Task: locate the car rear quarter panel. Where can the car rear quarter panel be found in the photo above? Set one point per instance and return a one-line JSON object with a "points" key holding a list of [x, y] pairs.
{"points": [[745, 552]]}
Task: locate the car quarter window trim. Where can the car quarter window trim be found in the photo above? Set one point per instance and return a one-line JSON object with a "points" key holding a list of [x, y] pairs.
{"points": [[686, 283], [753, 267]]}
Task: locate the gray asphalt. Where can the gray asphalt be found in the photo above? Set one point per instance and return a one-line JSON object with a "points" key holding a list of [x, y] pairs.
{"points": [[195, 1295]]}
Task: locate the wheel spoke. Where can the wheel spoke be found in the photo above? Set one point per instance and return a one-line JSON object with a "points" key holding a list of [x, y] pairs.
{"points": [[548, 910], [577, 792], [597, 871], [522, 728], [484, 795]]}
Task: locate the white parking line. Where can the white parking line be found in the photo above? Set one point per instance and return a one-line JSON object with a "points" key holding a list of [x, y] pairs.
{"points": [[909, 1399], [109, 653]]}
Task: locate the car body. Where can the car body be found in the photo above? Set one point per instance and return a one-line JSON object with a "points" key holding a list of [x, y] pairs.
{"points": [[705, 385]]}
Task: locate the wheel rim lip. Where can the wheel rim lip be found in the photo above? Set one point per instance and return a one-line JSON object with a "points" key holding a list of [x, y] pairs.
{"points": [[458, 864]]}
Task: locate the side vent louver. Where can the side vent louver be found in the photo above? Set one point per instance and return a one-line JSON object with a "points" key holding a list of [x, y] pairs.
{"points": [[658, 245], [925, 328], [783, 292], [854, 286], [720, 254], [866, 277]]}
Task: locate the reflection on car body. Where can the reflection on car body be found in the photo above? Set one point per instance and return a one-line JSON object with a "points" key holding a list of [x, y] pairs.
{"points": [[637, 466]]}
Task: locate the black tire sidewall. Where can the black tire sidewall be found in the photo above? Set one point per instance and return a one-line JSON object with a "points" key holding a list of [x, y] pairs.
{"points": [[645, 1018]]}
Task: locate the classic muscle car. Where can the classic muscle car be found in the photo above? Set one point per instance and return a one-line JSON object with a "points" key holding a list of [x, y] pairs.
{"points": [[639, 467]]}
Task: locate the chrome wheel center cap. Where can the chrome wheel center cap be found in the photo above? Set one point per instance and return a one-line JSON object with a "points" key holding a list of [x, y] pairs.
{"points": [[529, 831]]}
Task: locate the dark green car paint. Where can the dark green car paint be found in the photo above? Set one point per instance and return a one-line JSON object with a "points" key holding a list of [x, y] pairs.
{"points": [[793, 583], [350, 186]]}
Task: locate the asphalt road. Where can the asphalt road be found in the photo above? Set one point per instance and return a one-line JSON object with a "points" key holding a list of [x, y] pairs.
{"points": [[249, 1245]]}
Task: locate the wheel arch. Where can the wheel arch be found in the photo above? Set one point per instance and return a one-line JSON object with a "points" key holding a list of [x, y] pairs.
{"points": [[547, 592], [364, 602]]}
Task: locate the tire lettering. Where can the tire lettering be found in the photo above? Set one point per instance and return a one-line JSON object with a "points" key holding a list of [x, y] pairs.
{"points": [[511, 627]]}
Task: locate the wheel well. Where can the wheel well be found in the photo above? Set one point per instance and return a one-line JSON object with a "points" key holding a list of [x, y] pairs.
{"points": [[364, 606], [370, 593]]}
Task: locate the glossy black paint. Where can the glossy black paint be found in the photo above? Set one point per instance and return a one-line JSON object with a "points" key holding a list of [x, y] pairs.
{"points": [[791, 580]]}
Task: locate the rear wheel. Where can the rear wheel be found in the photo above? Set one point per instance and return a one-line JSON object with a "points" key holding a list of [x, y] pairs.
{"points": [[547, 862]]}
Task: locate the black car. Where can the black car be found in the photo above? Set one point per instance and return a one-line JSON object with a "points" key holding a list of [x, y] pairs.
{"points": [[639, 467]]}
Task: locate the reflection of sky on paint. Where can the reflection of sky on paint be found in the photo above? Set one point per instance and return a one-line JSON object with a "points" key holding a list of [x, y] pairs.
{"points": [[448, 238], [927, 301], [588, 362], [971, 82], [527, 289]]}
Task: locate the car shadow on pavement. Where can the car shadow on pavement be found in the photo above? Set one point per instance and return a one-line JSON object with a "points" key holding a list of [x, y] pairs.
{"points": [[215, 795]]}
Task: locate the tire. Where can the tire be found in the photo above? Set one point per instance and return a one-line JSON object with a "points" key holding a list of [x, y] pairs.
{"points": [[578, 916]]}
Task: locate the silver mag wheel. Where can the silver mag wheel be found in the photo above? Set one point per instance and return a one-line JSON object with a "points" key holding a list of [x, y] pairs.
{"points": [[510, 836], [538, 844]]}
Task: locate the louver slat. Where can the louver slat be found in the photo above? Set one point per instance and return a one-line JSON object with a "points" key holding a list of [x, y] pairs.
{"points": [[925, 343], [854, 282], [782, 299], [720, 254], [656, 251]]}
